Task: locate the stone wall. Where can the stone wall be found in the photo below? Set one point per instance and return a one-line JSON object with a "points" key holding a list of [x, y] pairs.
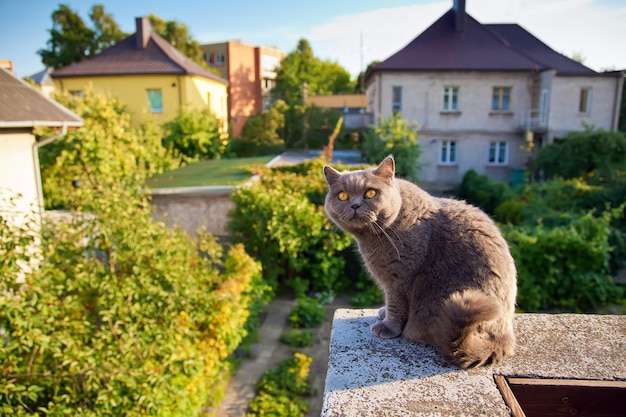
{"points": [[192, 207]]}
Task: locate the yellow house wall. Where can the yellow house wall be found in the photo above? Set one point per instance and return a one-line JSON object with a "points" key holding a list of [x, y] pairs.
{"points": [[132, 90]]}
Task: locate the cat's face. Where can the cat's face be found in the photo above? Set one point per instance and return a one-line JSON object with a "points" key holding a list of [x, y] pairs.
{"points": [[362, 200]]}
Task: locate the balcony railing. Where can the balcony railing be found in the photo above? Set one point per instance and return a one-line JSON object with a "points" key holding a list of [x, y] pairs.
{"points": [[534, 119]]}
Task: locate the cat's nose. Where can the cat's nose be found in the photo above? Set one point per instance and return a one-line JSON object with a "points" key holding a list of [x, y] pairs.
{"points": [[355, 206]]}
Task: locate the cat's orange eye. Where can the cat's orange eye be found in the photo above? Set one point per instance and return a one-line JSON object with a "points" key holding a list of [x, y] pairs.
{"points": [[370, 193], [342, 196]]}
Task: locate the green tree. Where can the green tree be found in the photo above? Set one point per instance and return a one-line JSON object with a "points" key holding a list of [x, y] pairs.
{"points": [[397, 136], [300, 73], [195, 134], [71, 40], [177, 33], [262, 133]]}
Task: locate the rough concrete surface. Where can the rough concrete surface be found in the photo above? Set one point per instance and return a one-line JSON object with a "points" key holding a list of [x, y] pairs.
{"points": [[368, 376]]}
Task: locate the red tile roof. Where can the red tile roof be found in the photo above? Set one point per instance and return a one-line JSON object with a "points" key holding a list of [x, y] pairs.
{"points": [[23, 106], [125, 58], [496, 47]]}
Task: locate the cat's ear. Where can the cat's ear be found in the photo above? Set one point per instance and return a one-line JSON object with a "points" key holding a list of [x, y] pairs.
{"points": [[387, 168], [331, 174]]}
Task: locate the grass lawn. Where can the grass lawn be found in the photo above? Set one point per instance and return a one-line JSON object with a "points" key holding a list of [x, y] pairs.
{"points": [[213, 172]]}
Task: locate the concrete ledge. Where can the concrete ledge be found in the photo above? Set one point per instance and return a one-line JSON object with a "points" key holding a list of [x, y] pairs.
{"points": [[368, 376]]}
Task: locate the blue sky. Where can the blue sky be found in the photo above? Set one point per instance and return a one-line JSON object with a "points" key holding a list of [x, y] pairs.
{"points": [[594, 28]]}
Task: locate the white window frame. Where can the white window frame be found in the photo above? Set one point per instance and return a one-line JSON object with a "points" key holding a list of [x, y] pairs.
{"points": [[396, 105], [451, 99], [151, 105], [448, 152], [500, 152], [584, 102]]}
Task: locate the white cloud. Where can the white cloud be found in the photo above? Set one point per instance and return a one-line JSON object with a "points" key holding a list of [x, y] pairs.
{"points": [[590, 28]]}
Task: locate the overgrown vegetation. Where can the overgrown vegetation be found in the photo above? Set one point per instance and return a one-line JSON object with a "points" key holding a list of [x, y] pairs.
{"points": [[263, 133], [566, 234], [110, 312], [281, 221], [282, 391]]}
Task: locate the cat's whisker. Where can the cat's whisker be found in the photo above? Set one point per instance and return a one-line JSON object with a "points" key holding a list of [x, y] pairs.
{"points": [[382, 229]]}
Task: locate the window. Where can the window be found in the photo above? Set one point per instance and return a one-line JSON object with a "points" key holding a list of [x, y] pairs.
{"points": [[448, 152], [584, 106], [77, 94], [396, 99], [219, 58], [498, 153], [451, 99], [501, 99], [155, 101]]}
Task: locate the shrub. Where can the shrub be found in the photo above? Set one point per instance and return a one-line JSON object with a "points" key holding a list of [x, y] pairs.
{"points": [[122, 316], [592, 151], [564, 266], [307, 313], [261, 134], [396, 136], [483, 192], [281, 221], [195, 134], [298, 338], [280, 391]]}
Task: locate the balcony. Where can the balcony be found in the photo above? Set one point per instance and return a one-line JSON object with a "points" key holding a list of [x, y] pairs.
{"points": [[534, 120]]}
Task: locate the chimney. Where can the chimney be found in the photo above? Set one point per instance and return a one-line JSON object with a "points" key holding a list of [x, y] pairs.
{"points": [[459, 15], [143, 32]]}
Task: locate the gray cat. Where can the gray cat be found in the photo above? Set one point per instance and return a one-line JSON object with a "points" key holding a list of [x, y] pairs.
{"points": [[446, 271]]}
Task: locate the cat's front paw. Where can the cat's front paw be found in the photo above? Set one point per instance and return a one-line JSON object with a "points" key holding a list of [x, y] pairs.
{"points": [[382, 313], [381, 330]]}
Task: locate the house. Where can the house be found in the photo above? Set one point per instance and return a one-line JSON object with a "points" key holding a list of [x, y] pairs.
{"points": [[43, 82], [251, 73], [151, 76], [22, 109], [485, 94]]}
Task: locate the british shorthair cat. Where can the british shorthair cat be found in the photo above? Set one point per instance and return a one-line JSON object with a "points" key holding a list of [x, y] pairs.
{"points": [[446, 271]]}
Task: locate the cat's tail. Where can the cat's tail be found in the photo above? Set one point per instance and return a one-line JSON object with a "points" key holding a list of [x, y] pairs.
{"points": [[473, 330]]}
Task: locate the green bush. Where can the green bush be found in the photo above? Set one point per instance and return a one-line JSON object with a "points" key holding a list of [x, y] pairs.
{"points": [[281, 390], [122, 316], [195, 134], [281, 221], [261, 134], [307, 313], [396, 136], [298, 338], [564, 266], [483, 192], [594, 152]]}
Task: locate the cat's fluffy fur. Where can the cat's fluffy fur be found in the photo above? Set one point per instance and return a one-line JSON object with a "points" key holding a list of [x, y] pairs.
{"points": [[446, 271]]}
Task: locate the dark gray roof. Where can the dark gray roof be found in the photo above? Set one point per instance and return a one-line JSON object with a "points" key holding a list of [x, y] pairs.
{"points": [[495, 47], [41, 77], [21, 105], [125, 58]]}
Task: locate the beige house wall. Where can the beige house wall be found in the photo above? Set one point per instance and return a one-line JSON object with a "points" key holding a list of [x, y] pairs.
{"points": [[17, 170]]}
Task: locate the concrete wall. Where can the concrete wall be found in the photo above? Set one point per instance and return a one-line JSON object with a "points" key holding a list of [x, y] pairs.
{"points": [[372, 377], [193, 207]]}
